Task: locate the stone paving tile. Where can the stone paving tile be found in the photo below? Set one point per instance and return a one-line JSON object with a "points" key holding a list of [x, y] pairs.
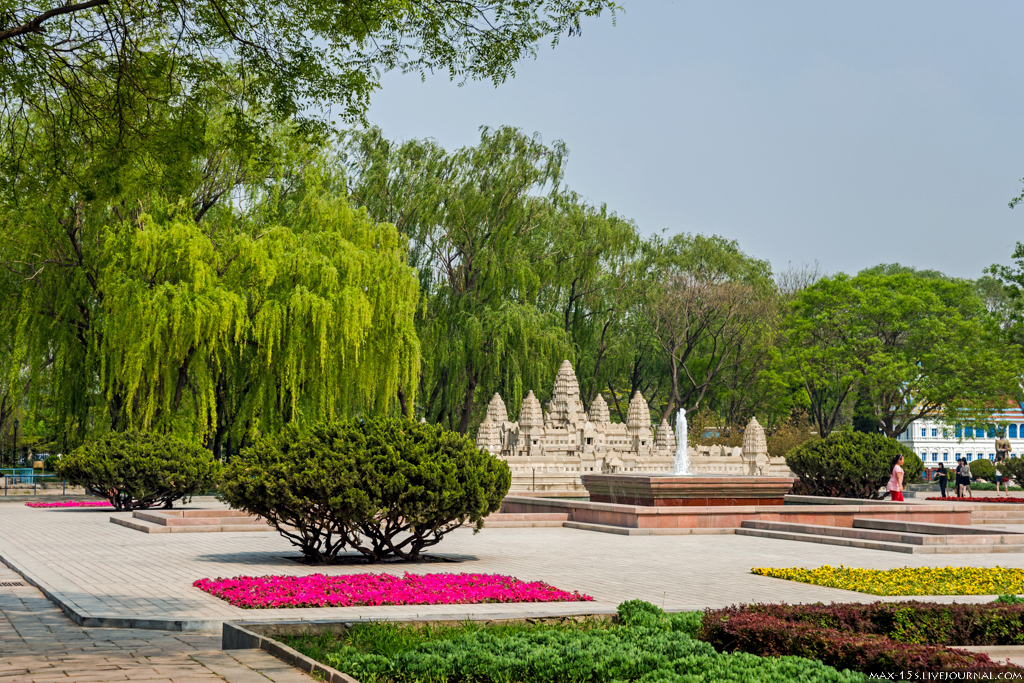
{"points": [[38, 644], [109, 571]]}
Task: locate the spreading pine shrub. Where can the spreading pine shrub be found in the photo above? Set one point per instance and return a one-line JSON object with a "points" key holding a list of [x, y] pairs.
{"points": [[379, 486], [983, 469], [137, 470], [849, 465]]}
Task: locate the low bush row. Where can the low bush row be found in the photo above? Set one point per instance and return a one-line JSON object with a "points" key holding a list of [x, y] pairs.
{"points": [[648, 646], [763, 633], [912, 622]]}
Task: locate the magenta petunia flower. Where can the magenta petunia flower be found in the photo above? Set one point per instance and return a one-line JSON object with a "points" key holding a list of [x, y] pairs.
{"points": [[358, 590], [72, 504]]}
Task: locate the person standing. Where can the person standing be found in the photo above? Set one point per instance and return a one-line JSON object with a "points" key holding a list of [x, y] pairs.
{"points": [[942, 475], [1003, 448], [895, 485], [963, 479]]}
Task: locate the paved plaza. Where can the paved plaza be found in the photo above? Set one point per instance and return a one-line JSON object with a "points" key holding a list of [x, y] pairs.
{"points": [[106, 574], [39, 644]]}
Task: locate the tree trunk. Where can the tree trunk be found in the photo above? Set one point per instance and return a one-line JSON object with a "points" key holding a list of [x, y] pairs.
{"points": [[467, 405]]}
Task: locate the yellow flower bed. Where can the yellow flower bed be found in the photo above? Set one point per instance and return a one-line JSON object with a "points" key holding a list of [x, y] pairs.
{"points": [[908, 580]]}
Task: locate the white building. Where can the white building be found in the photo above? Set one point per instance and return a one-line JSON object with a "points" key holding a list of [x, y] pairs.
{"points": [[936, 442]]}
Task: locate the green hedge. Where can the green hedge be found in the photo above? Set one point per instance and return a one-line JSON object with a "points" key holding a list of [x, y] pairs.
{"points": [[379, 486], [648, 646], [135, 470], [849, 465]]}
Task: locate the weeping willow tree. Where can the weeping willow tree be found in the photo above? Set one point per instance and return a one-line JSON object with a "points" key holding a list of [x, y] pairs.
{"points": [[217, 287], [480, 223]]}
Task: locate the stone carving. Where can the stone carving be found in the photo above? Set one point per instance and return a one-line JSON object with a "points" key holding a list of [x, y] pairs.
{"points": [[548, 451]]}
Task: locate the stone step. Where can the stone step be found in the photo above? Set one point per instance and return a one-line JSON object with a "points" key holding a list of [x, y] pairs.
{"points": [[152, 528], [631, 531], [998, 514], [524, 524], [163, 518], [528, 516], [843, 532], [836, 540], [918, 527], [518, 520], [901, 534], [956, 547]]}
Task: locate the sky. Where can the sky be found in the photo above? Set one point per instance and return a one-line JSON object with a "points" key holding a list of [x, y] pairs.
{"points": [[843, 133]]}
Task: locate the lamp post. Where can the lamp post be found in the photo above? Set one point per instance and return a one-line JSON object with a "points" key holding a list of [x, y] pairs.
{"points": [[15, 458]]}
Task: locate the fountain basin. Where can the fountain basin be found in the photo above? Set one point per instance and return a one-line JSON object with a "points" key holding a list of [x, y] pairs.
{"points": [[667, 490]]}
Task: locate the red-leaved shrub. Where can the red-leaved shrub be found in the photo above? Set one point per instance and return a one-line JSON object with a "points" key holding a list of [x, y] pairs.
{"points": [[869, 638]]}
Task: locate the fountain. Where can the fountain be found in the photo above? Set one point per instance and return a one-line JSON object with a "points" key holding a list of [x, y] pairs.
{"points": [[681, 466], [682, 488]]}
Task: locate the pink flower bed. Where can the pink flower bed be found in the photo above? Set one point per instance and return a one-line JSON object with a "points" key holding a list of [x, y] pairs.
{"points": [[72, 504], [357, 590]]}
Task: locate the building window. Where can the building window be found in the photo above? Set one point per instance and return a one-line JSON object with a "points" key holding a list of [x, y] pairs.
{"points": [[991, 456], [924, 432], [991, 431], [968, 432], [958, 456], [935, 431], [968, 457], [945, 457], [935, 457], [958, 432], [1013, 431]]}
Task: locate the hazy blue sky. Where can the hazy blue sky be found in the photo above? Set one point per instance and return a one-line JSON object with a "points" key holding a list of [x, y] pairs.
{"points": [[851, 133]]}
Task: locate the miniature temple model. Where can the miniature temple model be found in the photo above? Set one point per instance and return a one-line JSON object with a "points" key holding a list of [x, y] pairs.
{"points": [[549, 450]]}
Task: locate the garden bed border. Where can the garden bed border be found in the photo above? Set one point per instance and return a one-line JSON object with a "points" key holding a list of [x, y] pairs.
{"points": [[261, 635]]}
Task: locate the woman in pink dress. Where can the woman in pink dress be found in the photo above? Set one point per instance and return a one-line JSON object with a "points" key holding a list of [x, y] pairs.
{"points": [[895, 485]]}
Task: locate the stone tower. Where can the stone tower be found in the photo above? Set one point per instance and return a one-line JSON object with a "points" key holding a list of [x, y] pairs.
{"points": [[638, 415], [566, 408], [496, 411], [755, 447], [665, 439], [599, 411]]}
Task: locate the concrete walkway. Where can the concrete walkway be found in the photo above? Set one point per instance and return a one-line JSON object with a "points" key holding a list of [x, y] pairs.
{"points": [[38, 644], [105, 574]]}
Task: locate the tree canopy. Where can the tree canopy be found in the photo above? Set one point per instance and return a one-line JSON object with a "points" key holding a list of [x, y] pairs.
{"points": [[910, 344]]}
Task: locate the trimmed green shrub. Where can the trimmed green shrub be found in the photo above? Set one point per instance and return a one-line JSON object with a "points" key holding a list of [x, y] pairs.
{"points": [[849, 465], [137, 470], [1014, 469], [380, 486], [644, 648], [983, 469]]}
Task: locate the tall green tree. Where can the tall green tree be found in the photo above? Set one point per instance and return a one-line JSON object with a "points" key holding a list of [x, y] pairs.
{"points": [[217, 288], [479, 227], [709, 306], [912, 344]]}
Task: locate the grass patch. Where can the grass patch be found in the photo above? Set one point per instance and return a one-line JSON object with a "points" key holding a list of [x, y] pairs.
{"points": [[647, 645], [908, 580]]}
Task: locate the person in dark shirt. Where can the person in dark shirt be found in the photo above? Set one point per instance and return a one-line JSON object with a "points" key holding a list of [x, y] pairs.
{"points": [[942, 476]]}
